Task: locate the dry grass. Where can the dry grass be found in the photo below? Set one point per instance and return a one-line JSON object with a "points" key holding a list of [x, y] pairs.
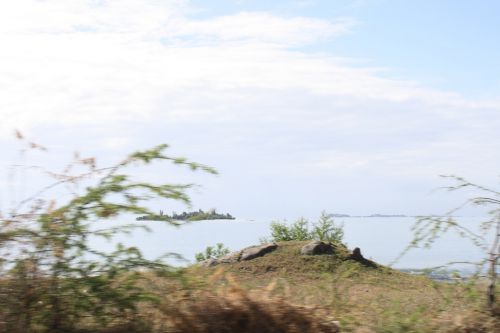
{"points": [[471, 321], [233, 309], [286, 292], [377, 298]]}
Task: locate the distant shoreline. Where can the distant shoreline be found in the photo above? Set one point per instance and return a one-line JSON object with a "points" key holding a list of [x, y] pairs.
{"points": [[372, 215], [386, 216], [199, 215]]}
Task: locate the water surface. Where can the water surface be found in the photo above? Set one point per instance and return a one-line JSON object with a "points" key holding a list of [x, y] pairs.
{"points": [[380, 239]]}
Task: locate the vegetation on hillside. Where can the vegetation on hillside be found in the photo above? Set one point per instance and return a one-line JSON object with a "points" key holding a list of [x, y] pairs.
{"points": [[324, 229], [363, 298], [52, 280], [428, 229], [212, 252]]}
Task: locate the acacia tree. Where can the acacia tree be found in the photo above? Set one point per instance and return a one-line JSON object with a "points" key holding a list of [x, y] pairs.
{"points": [[52, 279], [430, 228]]}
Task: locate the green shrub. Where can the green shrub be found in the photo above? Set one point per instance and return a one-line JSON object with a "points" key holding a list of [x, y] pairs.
{"points": [[52, 278], [324, 230], [212, 252]]}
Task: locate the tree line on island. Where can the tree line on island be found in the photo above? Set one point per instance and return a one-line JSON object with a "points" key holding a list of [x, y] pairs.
{"points": [[198, 215]]}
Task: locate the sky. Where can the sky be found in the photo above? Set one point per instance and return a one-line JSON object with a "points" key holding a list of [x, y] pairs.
{"points": [[351, 107]]}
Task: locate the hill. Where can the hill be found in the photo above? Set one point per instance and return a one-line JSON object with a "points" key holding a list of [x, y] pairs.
{"points": [[358, 293]]}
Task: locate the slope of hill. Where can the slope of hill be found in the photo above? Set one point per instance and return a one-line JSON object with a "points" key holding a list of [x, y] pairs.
{"points": [[356, 293]]}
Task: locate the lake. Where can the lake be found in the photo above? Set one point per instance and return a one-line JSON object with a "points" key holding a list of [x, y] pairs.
{"points": [[380, 239]]}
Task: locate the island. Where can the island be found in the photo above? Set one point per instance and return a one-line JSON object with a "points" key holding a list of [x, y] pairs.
{"points": [[198, 215]]}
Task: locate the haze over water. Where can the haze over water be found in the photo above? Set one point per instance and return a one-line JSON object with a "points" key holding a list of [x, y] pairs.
{"points": [[380, 239]]}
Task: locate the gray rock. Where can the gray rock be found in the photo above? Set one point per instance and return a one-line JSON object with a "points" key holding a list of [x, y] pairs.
{"points": [[248, 253], [209, 263], [230, 258], [316, 248], [227, 259], [257, 251]]}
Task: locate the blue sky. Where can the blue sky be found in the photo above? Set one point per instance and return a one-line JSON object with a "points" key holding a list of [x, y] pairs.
{"points": [[348, 106], [448, 45]]}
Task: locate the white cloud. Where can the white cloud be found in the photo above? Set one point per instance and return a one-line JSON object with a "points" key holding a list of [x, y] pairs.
{"points": [[100, 61], [237, 81], [134, 17], [265, 28]]}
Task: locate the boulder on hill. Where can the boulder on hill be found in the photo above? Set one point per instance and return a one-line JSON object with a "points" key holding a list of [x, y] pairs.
{"points": [[357, 256], [248, 253], [209, 262], [257, 251], [317, 248], [229, 258]]}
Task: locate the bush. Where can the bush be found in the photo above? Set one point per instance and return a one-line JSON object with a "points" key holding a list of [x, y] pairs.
{"points": [[212, 252], [485, 236], [324, 230], [52, 279]]}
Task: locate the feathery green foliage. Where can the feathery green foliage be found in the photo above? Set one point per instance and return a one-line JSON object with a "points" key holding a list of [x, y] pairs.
{"points": [[212, 252], [53, 280], [428, 229], [324, 230]]}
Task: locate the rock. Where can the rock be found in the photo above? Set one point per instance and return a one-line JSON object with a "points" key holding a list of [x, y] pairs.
{"points": [[248, 253], [257, 251], [316, 248], [209, 263], [357, 256], [227, 259], [230, 258]]}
